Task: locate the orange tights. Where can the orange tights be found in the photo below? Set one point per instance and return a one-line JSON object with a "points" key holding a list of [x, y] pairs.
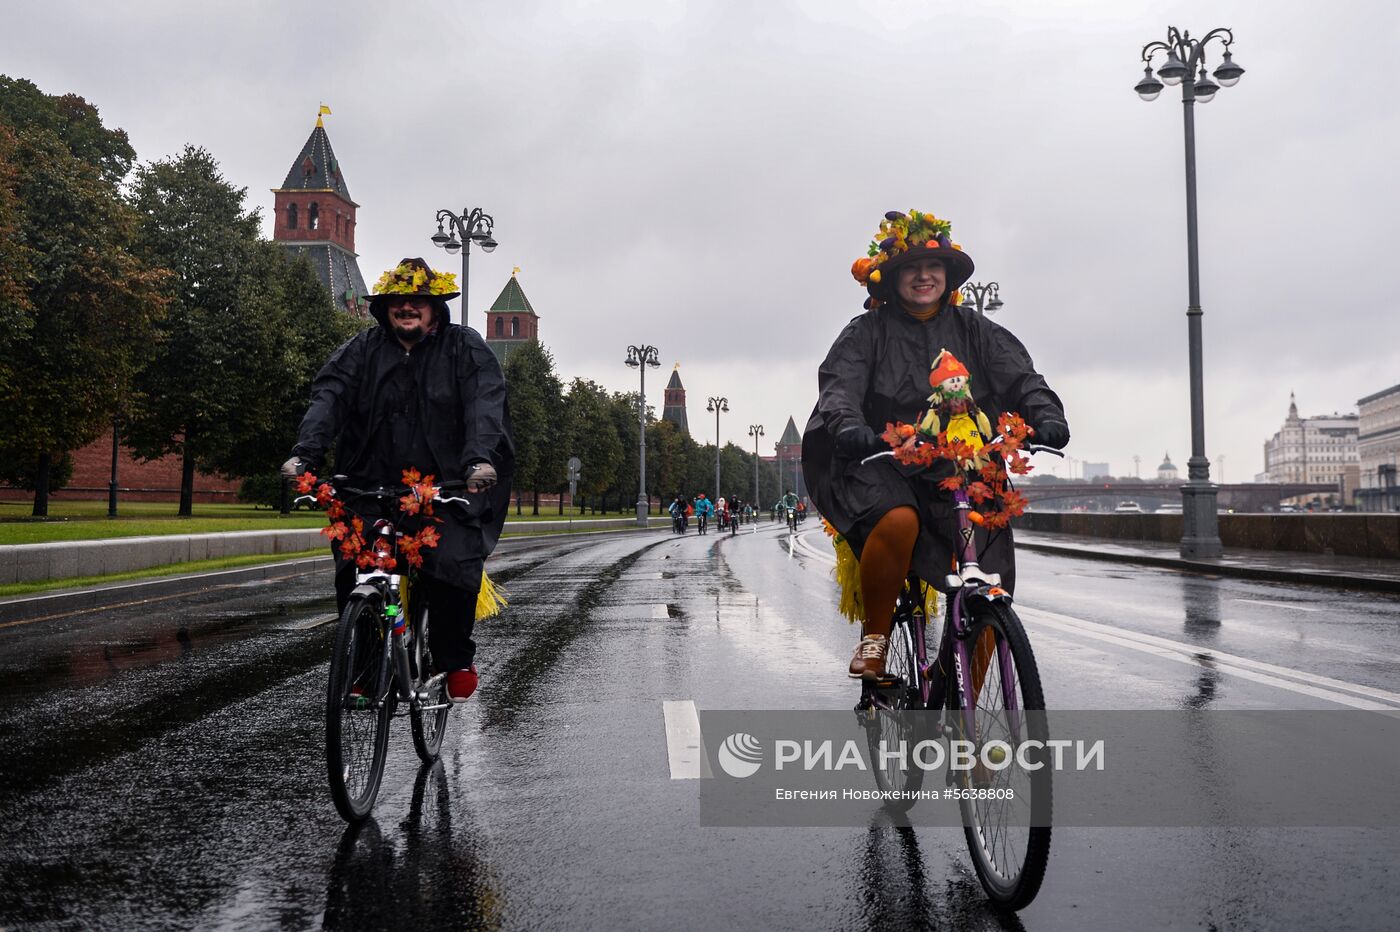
{"points": [[884, 564]]}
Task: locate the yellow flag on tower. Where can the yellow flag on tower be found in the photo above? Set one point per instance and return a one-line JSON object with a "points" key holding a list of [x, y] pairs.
{"points": [[324, 111]]}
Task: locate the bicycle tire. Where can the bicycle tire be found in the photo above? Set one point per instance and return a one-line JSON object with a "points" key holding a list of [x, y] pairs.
{"points": [[430, 725], [357, 734], [1010, 874], [889, 726]]}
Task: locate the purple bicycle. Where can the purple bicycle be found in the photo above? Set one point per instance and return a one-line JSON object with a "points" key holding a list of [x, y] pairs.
{"points": [[980, 685]]}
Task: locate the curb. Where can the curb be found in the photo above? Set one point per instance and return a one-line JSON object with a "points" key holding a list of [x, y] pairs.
{"points": [[1308, 577], [55, 603]]}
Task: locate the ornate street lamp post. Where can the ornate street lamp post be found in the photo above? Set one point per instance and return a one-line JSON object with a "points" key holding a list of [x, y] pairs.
{"points": [[1186, 57], [639, 357], [717, 405], [985, 298], [755, 431], [473, 226]]}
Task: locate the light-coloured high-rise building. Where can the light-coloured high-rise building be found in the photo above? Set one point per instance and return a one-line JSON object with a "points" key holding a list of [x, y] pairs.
{"points": [[1378, 447], [1312, 449]]}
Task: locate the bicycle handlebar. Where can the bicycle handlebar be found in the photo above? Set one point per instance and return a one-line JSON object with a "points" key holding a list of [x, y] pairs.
{"points": [[1028, 447], [390, 492]]}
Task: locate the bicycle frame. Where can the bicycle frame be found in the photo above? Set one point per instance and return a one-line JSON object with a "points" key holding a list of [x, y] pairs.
{"points": [[392, 591]]}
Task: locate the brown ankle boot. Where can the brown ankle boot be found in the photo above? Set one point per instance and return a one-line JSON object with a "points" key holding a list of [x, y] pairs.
{"points": [[869, 660]]}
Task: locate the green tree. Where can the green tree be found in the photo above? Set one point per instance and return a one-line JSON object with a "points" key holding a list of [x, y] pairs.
{"points": [[590, 434], [87, 304], [214, 376], [623, 406], [667, 454], [536, 408]]}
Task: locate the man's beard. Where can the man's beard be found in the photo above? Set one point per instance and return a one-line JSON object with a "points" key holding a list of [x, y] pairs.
{"points": [[410, 333]]}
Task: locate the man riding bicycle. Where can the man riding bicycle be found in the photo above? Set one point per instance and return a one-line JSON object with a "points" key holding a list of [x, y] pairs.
{"points": [[704, 508], [419, 392], [876, 373]]}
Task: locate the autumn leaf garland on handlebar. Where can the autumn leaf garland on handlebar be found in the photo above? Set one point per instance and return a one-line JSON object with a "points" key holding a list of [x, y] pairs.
{"points": [[982, 469], [349, 528]]}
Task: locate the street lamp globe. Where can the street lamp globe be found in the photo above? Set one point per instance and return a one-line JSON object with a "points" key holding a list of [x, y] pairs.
{"points": [[995, 305], [452, 246], [1205, 87], [1149, 87], [1228, 74], [1173, 70], [488, 244], [440, 238]]}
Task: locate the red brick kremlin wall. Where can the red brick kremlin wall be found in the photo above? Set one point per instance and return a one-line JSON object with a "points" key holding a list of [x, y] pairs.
{"points": [[156, 481]]}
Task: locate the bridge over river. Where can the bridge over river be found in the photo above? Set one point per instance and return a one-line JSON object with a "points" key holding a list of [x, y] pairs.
{"points": [[1103, 496]]}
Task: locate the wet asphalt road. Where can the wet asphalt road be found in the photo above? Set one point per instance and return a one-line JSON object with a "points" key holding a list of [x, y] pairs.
{"points": [[164, 765]]}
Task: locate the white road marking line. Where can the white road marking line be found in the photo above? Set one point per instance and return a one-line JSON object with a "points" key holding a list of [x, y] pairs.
{"points": [[660, 613], [684, 749], [1292, 605], [1354, 695], [313, 622]]}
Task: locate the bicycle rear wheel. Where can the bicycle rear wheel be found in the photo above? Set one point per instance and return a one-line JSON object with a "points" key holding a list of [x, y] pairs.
{"points": [[358, 706], [1008, 838], [429, 725]]}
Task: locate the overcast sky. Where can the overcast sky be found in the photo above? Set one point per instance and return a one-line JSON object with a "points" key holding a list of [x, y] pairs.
{"points": [[701, 175]]}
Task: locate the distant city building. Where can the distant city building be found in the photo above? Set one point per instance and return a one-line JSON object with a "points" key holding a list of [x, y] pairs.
{"points": [[1097, 471], [1167, 472], [1312, 449], [789, 452], [1378, 450], [314, 217], [511, 322], [673, 409]]}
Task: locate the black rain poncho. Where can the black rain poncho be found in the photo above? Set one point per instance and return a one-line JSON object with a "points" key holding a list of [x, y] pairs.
{"points": [[386, 409], [876, 373]]}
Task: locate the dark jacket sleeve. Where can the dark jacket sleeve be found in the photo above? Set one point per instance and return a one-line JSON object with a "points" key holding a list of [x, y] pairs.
{"points": [[1014, 380], [843, 378], [331, 391], [484, 407]]}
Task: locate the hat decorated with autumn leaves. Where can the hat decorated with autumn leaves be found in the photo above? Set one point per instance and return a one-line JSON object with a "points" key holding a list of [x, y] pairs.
{"points": [[413, 277], [904, 238]]}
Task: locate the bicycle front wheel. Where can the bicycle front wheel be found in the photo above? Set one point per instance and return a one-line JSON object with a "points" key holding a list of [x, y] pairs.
{"points": [[1006, 812], [428, 724], [357, 709], [893, 720]]}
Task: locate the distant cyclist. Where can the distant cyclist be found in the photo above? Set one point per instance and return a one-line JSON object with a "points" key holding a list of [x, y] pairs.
{"points": [[704, 508]]}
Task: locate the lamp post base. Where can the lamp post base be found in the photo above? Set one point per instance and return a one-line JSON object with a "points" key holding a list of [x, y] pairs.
{"points": [[643, 506], [1200, 524]]}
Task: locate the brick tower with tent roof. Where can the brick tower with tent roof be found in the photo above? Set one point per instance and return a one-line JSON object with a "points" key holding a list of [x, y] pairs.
{"points": [[789, 450], [673, 409], [511, 322], [315, 218]]}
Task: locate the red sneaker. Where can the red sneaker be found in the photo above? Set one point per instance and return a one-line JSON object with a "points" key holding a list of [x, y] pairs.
{"points": [[461, 684]]}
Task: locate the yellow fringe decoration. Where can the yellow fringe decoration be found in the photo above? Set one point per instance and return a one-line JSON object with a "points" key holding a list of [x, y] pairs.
{"points": [[847, 573], [491, 599]]}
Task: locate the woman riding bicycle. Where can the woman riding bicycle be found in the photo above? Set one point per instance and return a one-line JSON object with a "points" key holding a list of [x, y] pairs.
{"points": [[877, 372]]}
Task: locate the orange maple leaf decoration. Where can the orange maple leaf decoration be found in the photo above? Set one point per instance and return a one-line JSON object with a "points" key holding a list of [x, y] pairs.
{"points": [[351, 533], [984, 473]]}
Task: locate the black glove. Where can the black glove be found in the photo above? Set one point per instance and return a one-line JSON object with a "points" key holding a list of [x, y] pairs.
{"points": [[480, 476], [860, 441], [294, 467], [1052, 432]]}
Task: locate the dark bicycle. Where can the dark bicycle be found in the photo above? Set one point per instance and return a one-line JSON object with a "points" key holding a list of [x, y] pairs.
{"points": [[984, 680], [380, 660]]}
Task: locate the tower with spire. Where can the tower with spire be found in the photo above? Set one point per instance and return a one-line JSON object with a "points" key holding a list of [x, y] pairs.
{"points": [[789, 450], [512, 321], [674, 409], [315, 218]]}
